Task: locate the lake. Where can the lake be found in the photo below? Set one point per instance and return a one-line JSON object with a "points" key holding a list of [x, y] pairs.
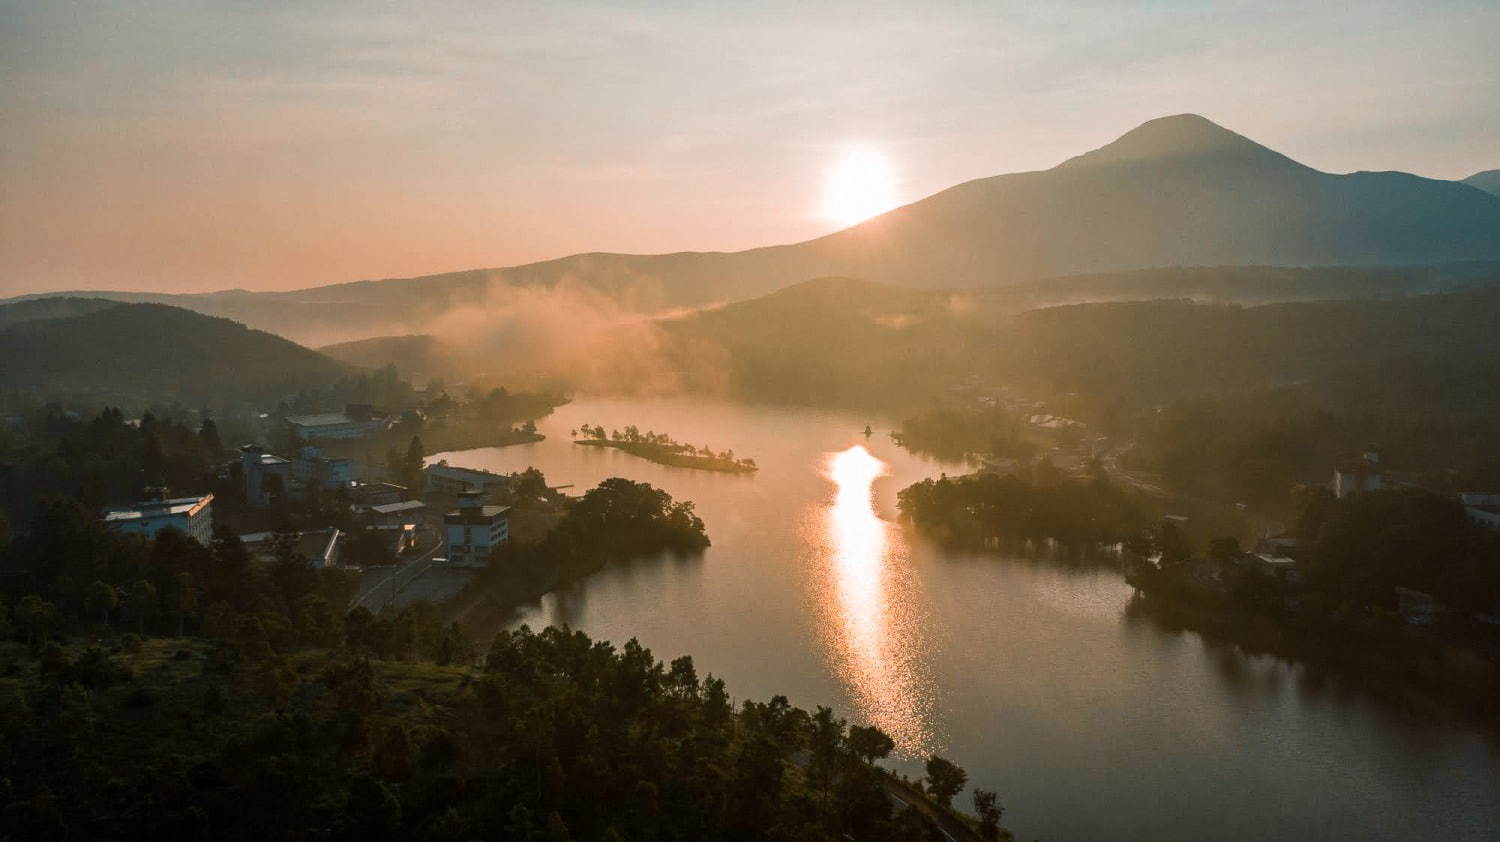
{"points": [[1091, 723]]}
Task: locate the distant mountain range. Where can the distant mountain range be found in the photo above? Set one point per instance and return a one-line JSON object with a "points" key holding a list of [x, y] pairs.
{"points": [[1176, 191], [102, 351]]}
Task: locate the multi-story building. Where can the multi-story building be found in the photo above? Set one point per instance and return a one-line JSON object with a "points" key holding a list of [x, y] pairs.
{"points": [[474, 529], [266, 475], [192, 516], [311, 467]]}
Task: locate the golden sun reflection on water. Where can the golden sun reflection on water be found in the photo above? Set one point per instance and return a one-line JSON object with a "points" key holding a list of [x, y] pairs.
{"points": [[870, 603]]}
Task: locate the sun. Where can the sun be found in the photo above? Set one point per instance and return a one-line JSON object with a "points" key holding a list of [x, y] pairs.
{"points": [[859, 186]]}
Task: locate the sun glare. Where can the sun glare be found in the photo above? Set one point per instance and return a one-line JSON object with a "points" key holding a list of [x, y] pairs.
{"points": [[861, 185]]}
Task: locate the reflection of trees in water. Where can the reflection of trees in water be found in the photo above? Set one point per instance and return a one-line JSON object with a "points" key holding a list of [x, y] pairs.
{"points": [[570, 602], [1251, 667]]}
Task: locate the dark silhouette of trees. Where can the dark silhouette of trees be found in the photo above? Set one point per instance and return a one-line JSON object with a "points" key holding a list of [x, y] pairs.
{"points": [[987, 808], [979, 509], [944, 780]]}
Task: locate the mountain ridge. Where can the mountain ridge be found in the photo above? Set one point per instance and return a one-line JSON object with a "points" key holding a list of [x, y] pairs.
{"points": [[1174, 191]]}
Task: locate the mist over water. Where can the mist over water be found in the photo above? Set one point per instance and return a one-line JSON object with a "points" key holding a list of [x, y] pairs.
{"points": [[1089, 720]]}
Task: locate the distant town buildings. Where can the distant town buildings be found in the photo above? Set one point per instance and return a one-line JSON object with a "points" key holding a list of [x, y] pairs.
{"points": [[455, 480], [357, 421], [474, 529], [192, 516], [1358, 472]]}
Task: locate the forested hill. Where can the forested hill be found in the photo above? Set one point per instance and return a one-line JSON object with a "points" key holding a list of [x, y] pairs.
{"points": [[135, 353], [850, 342], [418, 356]]}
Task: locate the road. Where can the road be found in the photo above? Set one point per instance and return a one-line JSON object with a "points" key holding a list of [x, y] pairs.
{"points": [[394, 582]]}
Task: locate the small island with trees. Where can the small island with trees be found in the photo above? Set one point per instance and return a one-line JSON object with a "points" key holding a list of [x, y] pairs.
{"points": [[663, 449]]}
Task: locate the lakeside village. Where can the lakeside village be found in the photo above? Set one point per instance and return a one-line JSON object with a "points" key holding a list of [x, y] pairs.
{"points": [[441, 522], [1001, 433], [1279, 560]]}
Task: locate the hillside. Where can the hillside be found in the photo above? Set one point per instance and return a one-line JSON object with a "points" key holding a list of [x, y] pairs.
{"points": [[1177, 191], [841, 341], [1488, 181], [132, 353], [416, 356], [1248, 284]]}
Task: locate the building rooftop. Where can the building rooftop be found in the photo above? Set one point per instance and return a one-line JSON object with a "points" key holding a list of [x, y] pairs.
{"points": [[156, 508], [324, 419], [455, 472], [476, 514], [404, 506], [314, 544], [1276, 560]]}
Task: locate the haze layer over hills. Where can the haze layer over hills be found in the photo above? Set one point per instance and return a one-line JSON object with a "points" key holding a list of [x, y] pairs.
{"points": [[1176, 191]]}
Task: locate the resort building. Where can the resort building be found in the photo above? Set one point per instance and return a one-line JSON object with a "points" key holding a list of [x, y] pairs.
{"points": [[474, 529], [192, 516]]}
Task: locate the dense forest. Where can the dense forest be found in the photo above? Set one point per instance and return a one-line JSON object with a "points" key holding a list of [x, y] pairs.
{"points": [[166, 687]]}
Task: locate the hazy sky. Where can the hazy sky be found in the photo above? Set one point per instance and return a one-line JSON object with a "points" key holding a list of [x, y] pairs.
{"points": [[193, 146]]}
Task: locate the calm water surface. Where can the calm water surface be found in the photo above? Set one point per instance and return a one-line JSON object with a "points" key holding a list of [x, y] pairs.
{"points": [[1089, 723]]}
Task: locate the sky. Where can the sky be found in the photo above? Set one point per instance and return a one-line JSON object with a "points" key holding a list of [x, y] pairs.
{"points": [[193, 146]]}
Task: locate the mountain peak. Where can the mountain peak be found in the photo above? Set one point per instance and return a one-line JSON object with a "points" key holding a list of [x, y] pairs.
{"points": [[1180, 136]]}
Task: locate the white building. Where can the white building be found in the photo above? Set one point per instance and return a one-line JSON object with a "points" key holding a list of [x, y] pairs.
{"points": [[192, 516], [455, 480], [474, 529]]}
